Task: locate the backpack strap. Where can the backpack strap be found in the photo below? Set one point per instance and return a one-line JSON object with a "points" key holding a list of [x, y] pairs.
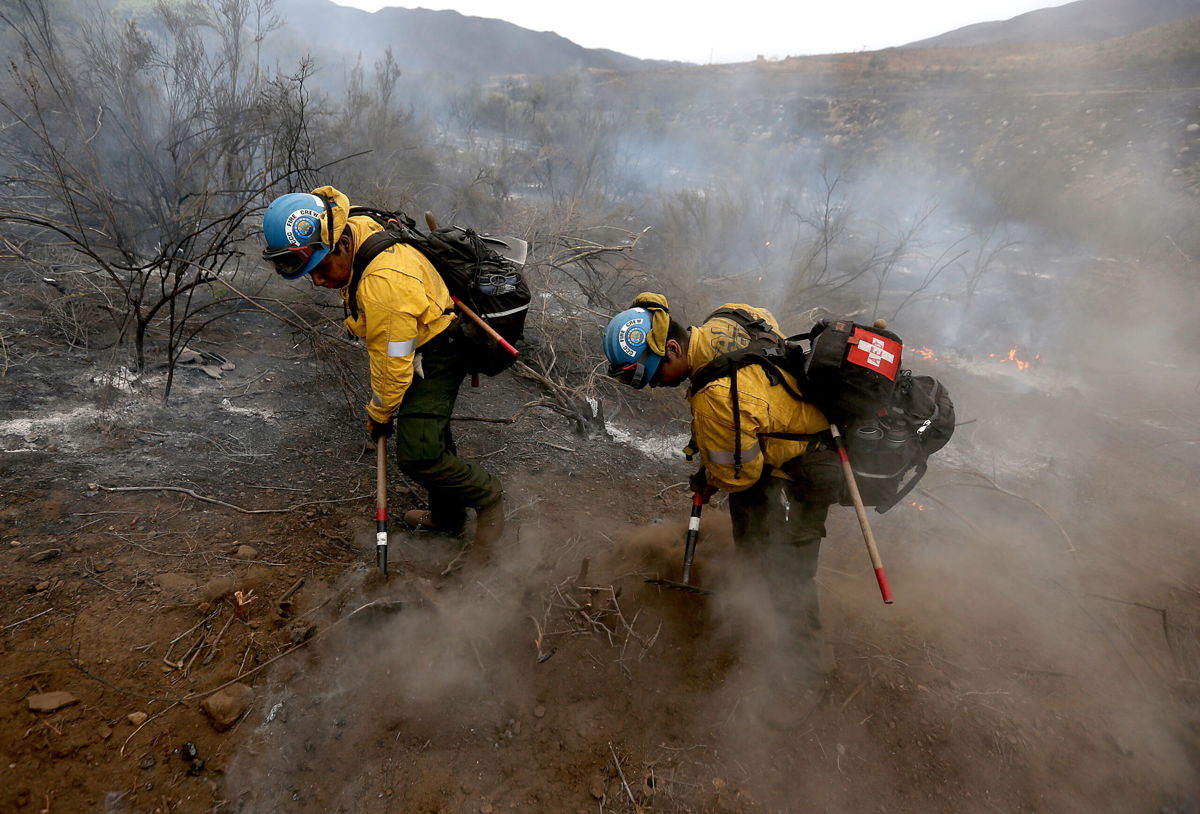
{"points": [[728, 363], [368, 251], [397, 228], [753, 324]]}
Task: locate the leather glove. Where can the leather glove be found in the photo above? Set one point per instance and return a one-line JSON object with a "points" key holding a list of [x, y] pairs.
{"points": [[379, 430], [699, 483]]}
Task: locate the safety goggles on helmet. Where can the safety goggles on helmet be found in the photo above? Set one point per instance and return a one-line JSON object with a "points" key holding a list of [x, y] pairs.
{"points": [[292, 261], [626, 344], [634, 374]]}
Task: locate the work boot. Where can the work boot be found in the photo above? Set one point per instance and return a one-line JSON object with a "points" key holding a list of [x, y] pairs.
{"points": [[419, 518], [489, 525]]}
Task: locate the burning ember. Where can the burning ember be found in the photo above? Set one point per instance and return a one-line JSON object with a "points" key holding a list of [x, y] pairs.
{"points": [[918, 506], [925, 353], [1012, 356]]}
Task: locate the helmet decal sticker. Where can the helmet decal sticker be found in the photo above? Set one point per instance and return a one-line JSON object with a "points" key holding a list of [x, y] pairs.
{"points": [[631, 338], [301, 226]]}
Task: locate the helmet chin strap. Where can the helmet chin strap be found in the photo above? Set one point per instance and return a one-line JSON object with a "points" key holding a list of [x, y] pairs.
{"points": [[640, 379]]}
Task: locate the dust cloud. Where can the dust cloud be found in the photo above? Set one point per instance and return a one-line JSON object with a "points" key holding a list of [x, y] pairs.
{"points": [[1041, 654]]}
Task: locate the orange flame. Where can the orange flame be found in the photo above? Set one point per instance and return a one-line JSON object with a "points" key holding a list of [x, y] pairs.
{"points": [[924, 353], [1011, 356], [918, 506]]}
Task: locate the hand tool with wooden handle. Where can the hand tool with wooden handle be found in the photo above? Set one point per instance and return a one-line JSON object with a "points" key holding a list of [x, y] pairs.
{"points": [[381, 533], [861, 511], [689, 552]]}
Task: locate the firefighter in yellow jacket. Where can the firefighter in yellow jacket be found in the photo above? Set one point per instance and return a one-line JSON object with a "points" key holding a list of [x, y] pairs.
{"points": [[405, 315], [780, 489]]}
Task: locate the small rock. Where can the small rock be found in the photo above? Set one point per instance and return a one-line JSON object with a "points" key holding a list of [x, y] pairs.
{"points": [[14, 543], [597, 787], [104, 732], [224, 708], [44, 585], [245, 552], [195, 767], [539, 711], [51, 701], [47, 554], [1193, 128], [147, 762], [486, 808], [189, 752], [301, 632], [137, 718]]}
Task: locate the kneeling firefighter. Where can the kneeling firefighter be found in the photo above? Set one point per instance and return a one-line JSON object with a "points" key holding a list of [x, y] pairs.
{"points": [[405, 314], [757, 441]]}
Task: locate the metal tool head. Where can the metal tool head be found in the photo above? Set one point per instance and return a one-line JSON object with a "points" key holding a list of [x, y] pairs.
{"points": [[376, 610], [678, 586], [512, 248]]}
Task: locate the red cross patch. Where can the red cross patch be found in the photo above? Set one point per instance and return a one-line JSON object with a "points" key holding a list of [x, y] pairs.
{"points": [[874, 352]]}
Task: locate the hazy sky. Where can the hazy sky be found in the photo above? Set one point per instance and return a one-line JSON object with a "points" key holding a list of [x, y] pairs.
{"points": [[735, 30]]}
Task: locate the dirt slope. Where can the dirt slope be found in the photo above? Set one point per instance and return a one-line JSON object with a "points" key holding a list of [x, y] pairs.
{"points": [[1040, 656]]}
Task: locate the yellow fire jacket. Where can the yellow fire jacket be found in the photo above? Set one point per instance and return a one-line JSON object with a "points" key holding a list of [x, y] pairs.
{"points": [[402, 304], [765, 408]]}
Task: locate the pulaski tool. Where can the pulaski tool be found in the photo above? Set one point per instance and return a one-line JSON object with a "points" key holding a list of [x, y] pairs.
{"points": [[689, 552], [381, 531]]}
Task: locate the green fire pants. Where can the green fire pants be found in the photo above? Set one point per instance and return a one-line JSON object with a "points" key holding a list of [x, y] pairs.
{"points": [[425, 450]]}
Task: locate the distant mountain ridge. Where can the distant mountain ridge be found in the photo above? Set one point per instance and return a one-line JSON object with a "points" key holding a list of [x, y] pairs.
{"points": [[422, 40], [477, 49], [1081, 21]]}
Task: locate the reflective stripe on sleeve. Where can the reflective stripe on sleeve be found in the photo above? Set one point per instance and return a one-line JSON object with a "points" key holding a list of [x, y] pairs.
{"points": [[404, 348], [726, 458]]}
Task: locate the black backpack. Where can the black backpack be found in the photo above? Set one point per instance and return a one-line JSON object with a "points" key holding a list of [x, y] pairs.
{"points": [[475, 273], [888, 450], [893, 421], [850, 369]]}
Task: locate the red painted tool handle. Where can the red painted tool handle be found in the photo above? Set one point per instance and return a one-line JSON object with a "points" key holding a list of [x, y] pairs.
{"points": [[861, 511], [381, 505], [881, 578], [488, 329]]}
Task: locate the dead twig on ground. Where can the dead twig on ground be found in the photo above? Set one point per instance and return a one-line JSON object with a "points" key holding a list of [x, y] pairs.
{"points": [[510, 420], [206, 499], [991, 484], [597, 610], [621, 773], [27, 619], [212, 648], [141, 726], [537, 642]]}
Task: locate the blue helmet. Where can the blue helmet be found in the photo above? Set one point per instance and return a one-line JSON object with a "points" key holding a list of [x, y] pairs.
{"points": [[627, 346], [292, 228]]}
